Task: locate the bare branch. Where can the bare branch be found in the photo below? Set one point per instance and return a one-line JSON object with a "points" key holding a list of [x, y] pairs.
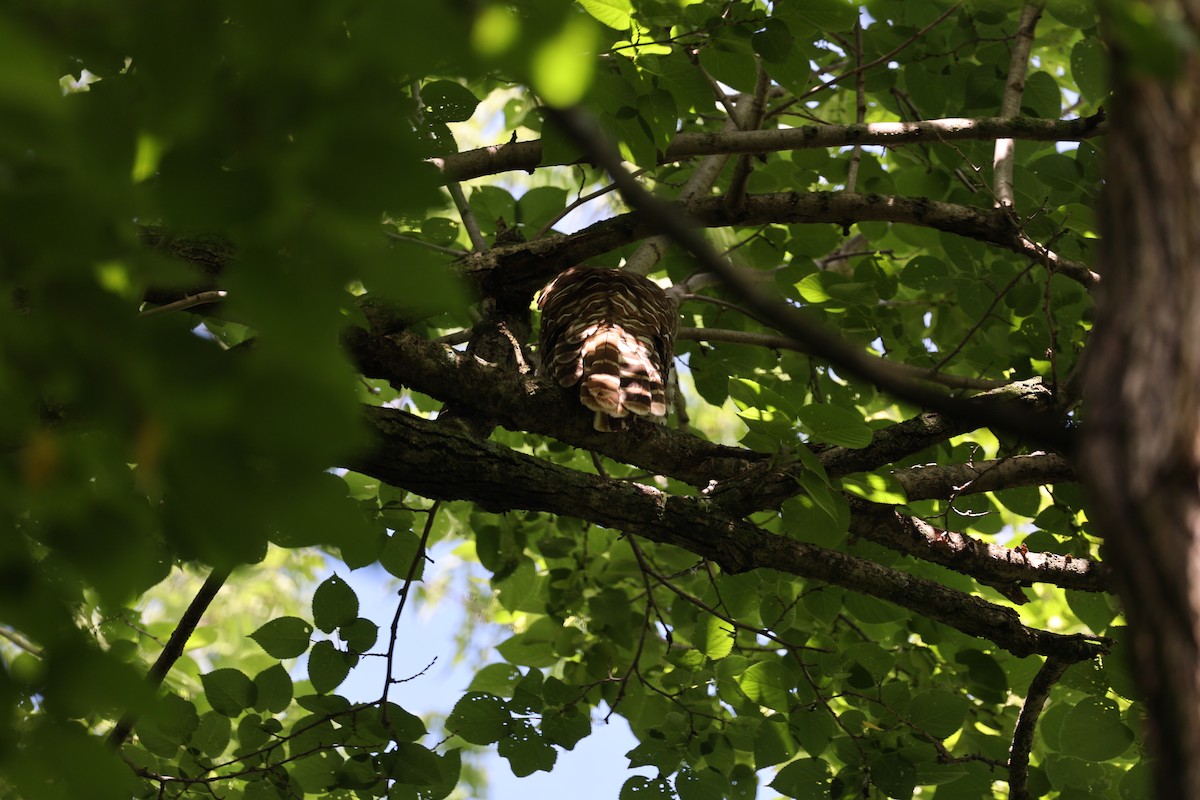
{"points": [[20, 641], [950, 480], [1022, 744], [418, 558], [527, 156], [174, 647], [533, 263], [860, 105], [1010, 105], [191, 301], [988, 563]]}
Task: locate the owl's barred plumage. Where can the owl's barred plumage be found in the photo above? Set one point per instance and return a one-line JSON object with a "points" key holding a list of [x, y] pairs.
{"points": [[612, 334]]}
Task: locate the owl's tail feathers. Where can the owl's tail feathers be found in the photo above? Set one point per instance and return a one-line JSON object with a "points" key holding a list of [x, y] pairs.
{"points": [[619, 379]]}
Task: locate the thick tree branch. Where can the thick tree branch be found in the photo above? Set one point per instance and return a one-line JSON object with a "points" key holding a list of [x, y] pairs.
{"points": [[531, 264], [527, 156], [521, 402], [942, 481], [988, 563], [436, 462]]}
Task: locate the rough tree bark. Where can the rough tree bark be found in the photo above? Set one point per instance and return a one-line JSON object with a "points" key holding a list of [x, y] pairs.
{"points": [[1141, 448]]}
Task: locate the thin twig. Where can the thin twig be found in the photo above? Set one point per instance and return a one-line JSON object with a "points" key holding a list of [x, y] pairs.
{"points": [[987, 312], [174, 647], [579, 201], [883, 59], [650, 606], [418, 557], [191, 301], [457, 252], [20, 641], [776, 342]]}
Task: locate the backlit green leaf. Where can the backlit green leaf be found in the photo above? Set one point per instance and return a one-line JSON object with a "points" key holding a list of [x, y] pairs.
{"points": [[228, 690], [286, 637]]}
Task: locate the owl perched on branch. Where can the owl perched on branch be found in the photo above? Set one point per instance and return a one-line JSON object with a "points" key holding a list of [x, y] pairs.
{"points": [[612, 334]]}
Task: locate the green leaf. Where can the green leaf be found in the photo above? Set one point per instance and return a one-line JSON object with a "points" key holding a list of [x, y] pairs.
{"points": [[875, 487], [821, 15], [334, 604], [774, 42], [654, 753], [713, 637], [211, 736], [803, 779], [566, 727], [496, 679], [985, 677], [229, 691], [402, 726], [871, 657], [274, 689], [828, 423], [925, 273], [767, 684], [315, 773], [535, 647], [703, 784], [813, 729], [527, 752], [1093, 730], [613, 13], [938, 712], [873, 610], [398, 554], [894, 775], [1042, 95], [447, 101], [286, 637], [415, 765], [642, 788], [1137, 784], [760, 402], [773, 743], [359, 635], [827, 500], [327, 667], [175, 717], [479, 718], [1092, 608]]}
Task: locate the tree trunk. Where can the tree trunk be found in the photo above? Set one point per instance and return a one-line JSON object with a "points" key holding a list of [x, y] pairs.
{"points": [[1141, 438]]}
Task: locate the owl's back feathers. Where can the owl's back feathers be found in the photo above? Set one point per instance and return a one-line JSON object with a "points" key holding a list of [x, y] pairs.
{"points": [[611, 333]]}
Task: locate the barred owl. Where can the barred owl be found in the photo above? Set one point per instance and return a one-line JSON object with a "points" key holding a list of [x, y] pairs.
{"points": [[612, 333]]}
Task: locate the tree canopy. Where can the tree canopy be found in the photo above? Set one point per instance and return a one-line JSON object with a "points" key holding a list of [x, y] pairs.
{"points": [[270, 276]]}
